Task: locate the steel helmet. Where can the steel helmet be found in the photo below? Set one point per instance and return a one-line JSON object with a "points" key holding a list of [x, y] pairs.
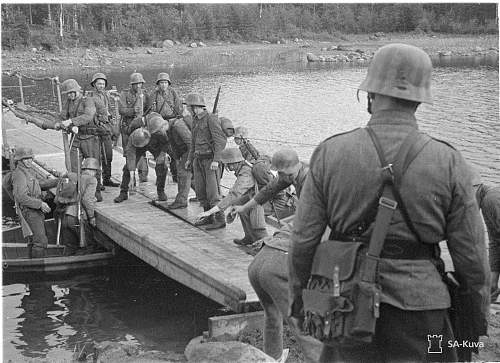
{"points": [[227, 126], [97, 76], [140, 137], [91, 163], [401, 71], [136, 78], [23, 153], [194, 99], [241, 132], [284, 158], [163, 77], [70, 85], [155, 122], [231, 155]]}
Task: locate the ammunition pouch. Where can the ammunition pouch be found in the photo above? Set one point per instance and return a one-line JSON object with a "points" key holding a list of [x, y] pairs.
{"points": [[340, 308], [93, 130]]}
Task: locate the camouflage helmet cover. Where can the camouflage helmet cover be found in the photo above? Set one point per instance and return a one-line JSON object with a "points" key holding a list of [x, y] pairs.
{"points": [[194, 99], [155, 122], [140, 137], [227, 126], [97, 76], [163, 77], [136, 78], [400, 71], [70, 85], [23, 153]]}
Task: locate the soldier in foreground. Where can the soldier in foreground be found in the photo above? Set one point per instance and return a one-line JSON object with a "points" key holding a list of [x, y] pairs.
{"points": [[437, 203], [208, 141]]}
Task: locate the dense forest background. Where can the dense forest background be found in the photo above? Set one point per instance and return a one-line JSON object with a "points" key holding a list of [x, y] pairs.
{"points": [[71, 25]]}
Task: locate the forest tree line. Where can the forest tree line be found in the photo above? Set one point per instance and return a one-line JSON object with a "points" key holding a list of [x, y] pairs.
{"points": [[72, 25]]}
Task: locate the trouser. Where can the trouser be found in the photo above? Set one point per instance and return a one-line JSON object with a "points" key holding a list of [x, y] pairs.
{"points": [[107, 157], [70, 232], [253, 233], [183, 179], [89, 148], [206, 182], [278, 209], [402, 336], [174, 170], [36, 220], [161, 176], [268, 274]]}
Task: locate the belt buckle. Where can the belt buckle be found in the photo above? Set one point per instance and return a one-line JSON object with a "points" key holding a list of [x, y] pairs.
{"points": [[388, 203]]}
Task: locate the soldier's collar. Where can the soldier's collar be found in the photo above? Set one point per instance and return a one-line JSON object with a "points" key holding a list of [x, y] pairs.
{"points": [[393, 117]]}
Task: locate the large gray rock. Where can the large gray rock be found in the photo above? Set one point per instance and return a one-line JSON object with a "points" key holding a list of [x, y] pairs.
{"points": [[201, 44], [200, 351], [312, 57], [167, 43], [193, 45]]}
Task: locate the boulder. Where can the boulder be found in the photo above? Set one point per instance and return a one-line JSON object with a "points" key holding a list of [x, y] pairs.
{"points": [[56, 60], [201, 44], [343, 48], [149, 51], [283, 41], [113, 49], [34, 50], [167, 43], [324, 49], [306, 45], [321, 58], [296, 40], [312, 57], [201, 351], [333, 47], [266, 42], [128, 48], [444, 53], [177, 42], [193, 45]]}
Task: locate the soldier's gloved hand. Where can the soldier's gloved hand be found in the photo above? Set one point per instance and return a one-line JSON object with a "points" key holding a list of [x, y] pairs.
{"points": [[214, 165], [92, 222], [187, 166], [66, 123], [45, 207]]}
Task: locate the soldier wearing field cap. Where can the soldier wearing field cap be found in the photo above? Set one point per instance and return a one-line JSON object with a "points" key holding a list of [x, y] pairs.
{"points": [[435, 202], [153, 138], [208, 141], [133, 105], [103, 121], [27, 192], [80, 111]]}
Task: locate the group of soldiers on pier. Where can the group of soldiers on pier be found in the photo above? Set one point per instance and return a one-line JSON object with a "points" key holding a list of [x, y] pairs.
{"points": [[427, 193]]}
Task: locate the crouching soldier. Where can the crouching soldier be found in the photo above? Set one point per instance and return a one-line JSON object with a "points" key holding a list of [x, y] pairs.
{"points": [[67, 200], [80, 111], [152, 138], [254, 224], [27, 192]]}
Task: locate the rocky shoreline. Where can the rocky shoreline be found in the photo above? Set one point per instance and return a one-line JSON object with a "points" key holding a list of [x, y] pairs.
{"points": [[167, 53]]}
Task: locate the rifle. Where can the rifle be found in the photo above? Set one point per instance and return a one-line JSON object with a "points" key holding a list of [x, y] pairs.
{"points": [[214, 110], [79, 201], [67, 157]]}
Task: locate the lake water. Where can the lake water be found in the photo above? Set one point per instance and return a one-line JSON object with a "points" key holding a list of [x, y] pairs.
{"points": [[297, 105]]}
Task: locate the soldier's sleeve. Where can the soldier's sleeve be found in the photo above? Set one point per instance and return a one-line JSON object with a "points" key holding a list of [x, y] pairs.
{"points": [[308, 227], [123, 108], [218, 137], [465, 240], [89, 110], [271, 190], [131, 156], [20, 191], [63, 114], [88, 196], [177, 103], [191, 147], [183, 132], [491, 213], [244, 182], [46, 184]]}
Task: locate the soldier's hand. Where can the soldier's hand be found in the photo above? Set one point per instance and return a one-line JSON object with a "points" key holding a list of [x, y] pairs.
{"points": [[214, 165], [187, 166], [66, 123], [92, 221], [45, 207]]}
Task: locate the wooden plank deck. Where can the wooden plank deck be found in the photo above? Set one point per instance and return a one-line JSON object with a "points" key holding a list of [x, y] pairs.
{"points": [[209, 263]]}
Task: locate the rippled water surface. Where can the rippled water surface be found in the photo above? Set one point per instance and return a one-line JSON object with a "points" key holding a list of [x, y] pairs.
{"points": [[297, 106]]}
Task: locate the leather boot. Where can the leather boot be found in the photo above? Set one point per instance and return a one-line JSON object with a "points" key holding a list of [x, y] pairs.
{"points": [[98, 195], [219, 221], [205, 220], [123, 196], [177, 205], [110, 183], [245, 241], [162, 197]]}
